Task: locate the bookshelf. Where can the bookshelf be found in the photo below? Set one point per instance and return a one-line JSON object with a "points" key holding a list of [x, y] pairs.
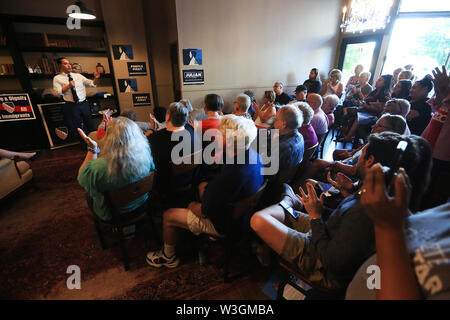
{"points": [[31, 43]]}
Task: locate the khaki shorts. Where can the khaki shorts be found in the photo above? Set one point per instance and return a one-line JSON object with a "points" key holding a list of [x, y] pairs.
{"points": [[299, 251], [198, 225]]}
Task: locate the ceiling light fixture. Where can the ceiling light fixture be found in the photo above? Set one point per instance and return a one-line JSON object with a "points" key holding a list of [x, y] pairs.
{"points": [[84, 14]]}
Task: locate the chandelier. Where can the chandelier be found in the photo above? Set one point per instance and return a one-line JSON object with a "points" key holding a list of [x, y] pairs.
{"points": [[365, 15]]}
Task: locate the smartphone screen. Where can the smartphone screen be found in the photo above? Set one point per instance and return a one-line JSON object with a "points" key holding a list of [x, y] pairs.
{"points": [[289, 209]]}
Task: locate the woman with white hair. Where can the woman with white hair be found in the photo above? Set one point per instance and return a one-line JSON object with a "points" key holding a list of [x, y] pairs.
{"points": [[329, 105], [399, 107], [240, 177], [125, 158], [333, 85], [306, 130]]}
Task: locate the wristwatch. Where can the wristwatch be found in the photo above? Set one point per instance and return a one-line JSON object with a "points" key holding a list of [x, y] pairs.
{"points": [[94, 150]]}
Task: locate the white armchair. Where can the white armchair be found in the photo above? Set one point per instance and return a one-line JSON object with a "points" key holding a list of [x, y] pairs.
{"points": [[13, 175]]}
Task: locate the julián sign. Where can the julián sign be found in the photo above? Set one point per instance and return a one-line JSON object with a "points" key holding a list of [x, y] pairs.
{"points": [[193, 76]]}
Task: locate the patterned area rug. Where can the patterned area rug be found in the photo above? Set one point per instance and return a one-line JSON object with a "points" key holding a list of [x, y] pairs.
{"points": [[44, 231]]}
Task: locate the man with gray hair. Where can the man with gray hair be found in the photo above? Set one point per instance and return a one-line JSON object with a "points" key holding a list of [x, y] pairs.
{"points": [[236, 181], [241, 106], [281, 98], [291, 145]]}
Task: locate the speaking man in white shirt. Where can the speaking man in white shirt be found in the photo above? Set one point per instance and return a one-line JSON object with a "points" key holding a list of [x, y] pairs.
{"points": [[71, 86]]}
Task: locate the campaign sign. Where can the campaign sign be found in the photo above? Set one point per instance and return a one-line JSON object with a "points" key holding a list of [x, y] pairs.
{"points": [[193, 76], [122, 52], [15, 107], [141, 99], [192, 57], [137, 68], [55, 125], [128, 85]]}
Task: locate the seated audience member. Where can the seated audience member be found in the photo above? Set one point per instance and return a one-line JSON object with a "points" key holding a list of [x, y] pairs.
{"points": [[329, 105], [306, 130], [291, 144], [354, 81], [406, 75], [20, 155], [401, 89], [301, 91], [329, 252], [374, 102], [313, 83], [409, 67], [411, 250], [265, 115], [370, 109], [235, 182], [125, 158], [320, 120], [281, 98], [241, 106], [438, 135], [396, 73], [359, 93], [132, 115], [399, 107], [333, 85], [251, 94], [420, 114], [212, 105], [161, 145], [345, 160]]}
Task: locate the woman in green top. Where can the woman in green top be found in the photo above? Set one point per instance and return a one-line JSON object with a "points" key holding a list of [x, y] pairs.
{"points": [[125, 158]]}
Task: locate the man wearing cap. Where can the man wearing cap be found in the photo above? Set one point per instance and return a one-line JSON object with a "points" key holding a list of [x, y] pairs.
{"points": [[71, 86], [300, 94]]}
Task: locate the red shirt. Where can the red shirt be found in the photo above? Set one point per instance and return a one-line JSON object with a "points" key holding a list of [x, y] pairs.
{"points": [[212, 123]]}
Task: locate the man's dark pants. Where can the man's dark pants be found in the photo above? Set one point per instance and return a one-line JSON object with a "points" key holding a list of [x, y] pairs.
{"points": [[75, 115]]}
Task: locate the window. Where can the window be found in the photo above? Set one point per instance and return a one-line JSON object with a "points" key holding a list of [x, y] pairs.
{"points": [[422, 42], [423, 6]]}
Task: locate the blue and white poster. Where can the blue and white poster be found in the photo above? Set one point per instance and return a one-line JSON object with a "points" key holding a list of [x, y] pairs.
{"points": [[128, 85], [122, 52], [14, 107], [192, 57], [137, 68], [193, 76], [141, 99]]}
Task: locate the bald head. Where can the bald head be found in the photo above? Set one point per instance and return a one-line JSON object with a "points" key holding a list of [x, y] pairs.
{"points": [[314, 100]]}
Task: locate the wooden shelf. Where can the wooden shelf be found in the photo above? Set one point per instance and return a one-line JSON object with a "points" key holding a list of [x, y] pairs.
{"points": [[63, 49], [8, 76], [34, 76]]}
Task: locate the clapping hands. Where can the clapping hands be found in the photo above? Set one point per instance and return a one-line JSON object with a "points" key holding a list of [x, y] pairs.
{"points": [[90, 143]]}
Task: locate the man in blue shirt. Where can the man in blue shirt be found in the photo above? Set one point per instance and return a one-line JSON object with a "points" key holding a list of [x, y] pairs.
{"points": [[291, 145], [240, 177]]}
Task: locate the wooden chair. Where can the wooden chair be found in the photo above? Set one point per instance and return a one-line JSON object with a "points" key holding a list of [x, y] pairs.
{"points": [[187, 165], [116, 199], [305, 287], [320, 140], [238, 210]]}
